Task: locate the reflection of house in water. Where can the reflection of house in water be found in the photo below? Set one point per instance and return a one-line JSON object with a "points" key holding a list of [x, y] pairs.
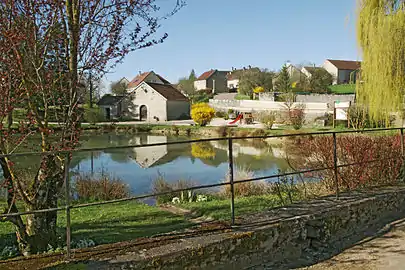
{"points": [[153, 156], [239, 149], [148, 156]]}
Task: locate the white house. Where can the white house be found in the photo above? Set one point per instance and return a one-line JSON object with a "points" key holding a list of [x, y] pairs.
{"points": [[157, 101], [343, 71]]}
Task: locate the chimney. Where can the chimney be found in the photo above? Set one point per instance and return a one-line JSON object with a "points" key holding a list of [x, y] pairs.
{"points": [[140, 72], [213, 86]]}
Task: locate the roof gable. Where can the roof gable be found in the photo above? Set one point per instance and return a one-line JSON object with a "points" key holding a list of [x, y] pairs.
{"points": [[108, 100], [138, 79], [311, 70], [206, 75], [167, 91], [345, 64]]}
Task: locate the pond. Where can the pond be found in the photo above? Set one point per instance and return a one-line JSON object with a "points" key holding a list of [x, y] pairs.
{"points": [[199, 163]]}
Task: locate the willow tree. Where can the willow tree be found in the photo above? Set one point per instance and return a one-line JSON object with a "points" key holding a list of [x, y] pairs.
{"points": [[381, 36], [46, 47]]}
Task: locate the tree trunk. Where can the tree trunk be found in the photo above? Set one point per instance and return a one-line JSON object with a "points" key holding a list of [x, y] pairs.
{"points": [[40, 230]]}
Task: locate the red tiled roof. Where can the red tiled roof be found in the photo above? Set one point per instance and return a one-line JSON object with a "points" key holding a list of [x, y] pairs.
{"points": [[345, 64], [206, 75], [168, 91], [138, 79]]}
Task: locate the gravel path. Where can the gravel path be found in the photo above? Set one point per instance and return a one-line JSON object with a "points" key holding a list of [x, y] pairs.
{"points": [[383, 252]]}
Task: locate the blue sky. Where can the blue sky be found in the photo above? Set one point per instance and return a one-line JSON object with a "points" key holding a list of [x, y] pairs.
{"points": [[221, 34]]}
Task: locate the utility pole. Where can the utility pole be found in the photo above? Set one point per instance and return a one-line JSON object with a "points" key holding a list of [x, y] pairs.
{"points": [[91, 90]]}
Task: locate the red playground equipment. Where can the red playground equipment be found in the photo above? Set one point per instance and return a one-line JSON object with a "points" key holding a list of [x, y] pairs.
{"points": [[240, 116]]}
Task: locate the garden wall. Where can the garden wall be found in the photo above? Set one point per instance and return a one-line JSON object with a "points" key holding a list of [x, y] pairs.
{"points": [[325, 98], [316, 229], [312, 109]]}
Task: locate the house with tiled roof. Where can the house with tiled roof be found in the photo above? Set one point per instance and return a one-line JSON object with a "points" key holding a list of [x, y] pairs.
{"points": [[343, 71], [212, 80]]}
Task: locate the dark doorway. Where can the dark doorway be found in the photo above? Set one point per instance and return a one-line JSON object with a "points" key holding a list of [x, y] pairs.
{"points": [[143, 113], [108, 113]]}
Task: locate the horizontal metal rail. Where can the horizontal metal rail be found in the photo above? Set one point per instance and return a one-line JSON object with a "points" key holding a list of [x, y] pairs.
{"points": [[189, 188]]}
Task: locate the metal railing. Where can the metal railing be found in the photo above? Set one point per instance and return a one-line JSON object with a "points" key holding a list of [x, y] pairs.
{"points": [[68, 206]]}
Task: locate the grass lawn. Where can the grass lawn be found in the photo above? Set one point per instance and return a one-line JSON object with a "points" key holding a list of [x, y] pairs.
{"points": [[343, 88], [220, 209], [109, 223]]}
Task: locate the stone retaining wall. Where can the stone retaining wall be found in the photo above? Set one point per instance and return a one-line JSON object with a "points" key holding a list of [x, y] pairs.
{"points": [[278, 235], [295, 235]]}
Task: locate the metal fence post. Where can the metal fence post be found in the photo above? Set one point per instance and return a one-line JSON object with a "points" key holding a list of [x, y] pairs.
{"points": [[230, 173], [335, 168], [67, 188], [402, 143]]}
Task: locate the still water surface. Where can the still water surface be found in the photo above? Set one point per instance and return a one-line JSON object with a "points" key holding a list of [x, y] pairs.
{"points": [[201, 163]]}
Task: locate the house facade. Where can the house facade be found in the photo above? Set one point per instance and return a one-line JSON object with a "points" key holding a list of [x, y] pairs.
{"points": [[213, 80], [343, 71], [309, 71], [111, 106], [154, 102]]}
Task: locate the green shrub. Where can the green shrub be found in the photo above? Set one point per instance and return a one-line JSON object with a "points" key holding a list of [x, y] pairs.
{"points": [[220, 114], [93, 115]]}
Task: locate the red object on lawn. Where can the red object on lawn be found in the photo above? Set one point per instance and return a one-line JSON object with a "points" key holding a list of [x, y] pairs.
{"points": [[236, 120]]}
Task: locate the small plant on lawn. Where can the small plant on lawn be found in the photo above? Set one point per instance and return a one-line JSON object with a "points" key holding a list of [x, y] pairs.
{"points": [[297, 117], [244, 189], [100, 188], [160, 185], [202, 113], [203, 150], [267, 119]]}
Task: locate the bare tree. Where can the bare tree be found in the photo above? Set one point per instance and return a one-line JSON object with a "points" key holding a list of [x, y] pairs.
{"points": [[45, 48]]}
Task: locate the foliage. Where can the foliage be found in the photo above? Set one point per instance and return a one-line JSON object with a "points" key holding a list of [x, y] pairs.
{"points": [[93, 115], [118, 88], [202, 113], [267, 119], [251, 78], [242, 97], [203, 150], [46, 49], [381, 35], [201, 97], [359, 118], [283, 80], [160, 185], [297, 118], [100, 188], [220, 114], [319, 81], [317, 152], [186, 84]]}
